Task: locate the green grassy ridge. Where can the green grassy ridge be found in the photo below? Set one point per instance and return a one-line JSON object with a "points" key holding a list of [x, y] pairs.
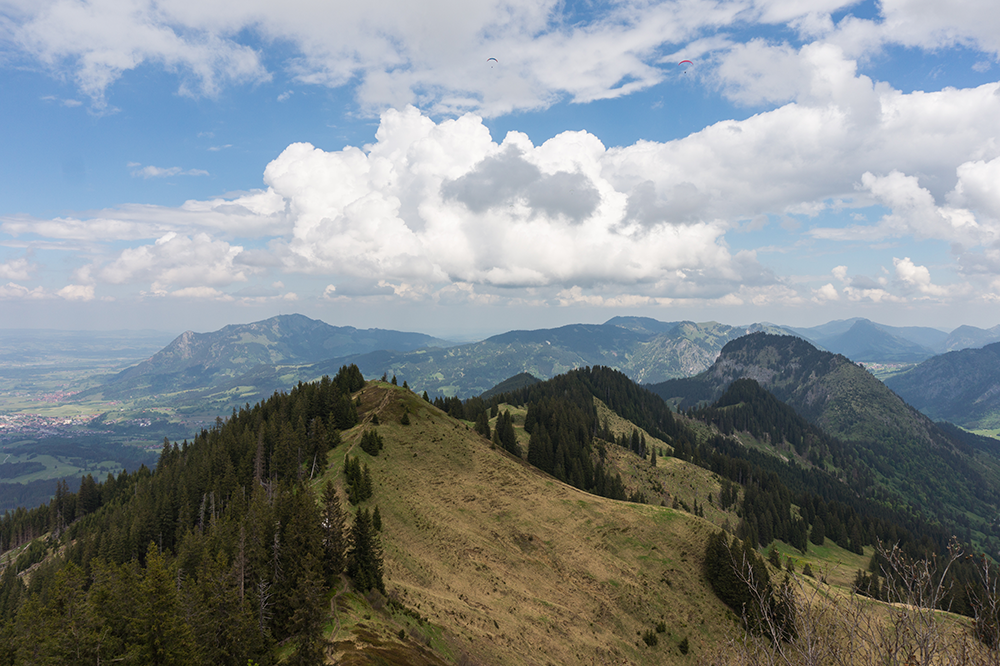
{"points": [[517, 542]]}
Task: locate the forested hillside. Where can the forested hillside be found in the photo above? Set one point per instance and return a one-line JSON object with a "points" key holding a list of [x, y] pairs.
{"points": [[218, 556], [782, 465], [353, 522], [896, 453], [962, 387]]}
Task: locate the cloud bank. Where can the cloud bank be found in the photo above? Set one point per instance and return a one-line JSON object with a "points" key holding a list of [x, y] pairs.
{"points": [[431, 205], [435, 55]]}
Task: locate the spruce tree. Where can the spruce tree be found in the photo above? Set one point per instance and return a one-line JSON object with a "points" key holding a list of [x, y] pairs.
{"points": [[224, 625], [371, 442], [818, 533], [504, 434], [345, 413], [308, 615], [334, 535], [11, 591], [483, 424], [159, 632], [365, 560]]}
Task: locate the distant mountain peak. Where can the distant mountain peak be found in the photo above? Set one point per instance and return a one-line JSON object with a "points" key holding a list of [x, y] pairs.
{"points": [[825, 388], [197, 361]]}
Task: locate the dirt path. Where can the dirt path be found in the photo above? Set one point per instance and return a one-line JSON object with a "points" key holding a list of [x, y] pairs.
{"points": [[333, 605]]}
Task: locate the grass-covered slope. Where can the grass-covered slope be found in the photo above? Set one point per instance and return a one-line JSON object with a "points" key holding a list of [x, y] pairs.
{"points": [[483, 559], [520, 568]]}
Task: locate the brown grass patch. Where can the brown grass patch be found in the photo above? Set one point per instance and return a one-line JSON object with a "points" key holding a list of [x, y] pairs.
{"points": [[518, 568]]}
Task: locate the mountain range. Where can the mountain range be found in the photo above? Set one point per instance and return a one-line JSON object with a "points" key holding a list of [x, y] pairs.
{"points": [[213, 372], [244, 363], [866, 341], [863, 340]]}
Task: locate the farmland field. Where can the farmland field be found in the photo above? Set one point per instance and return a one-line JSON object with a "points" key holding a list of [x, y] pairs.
{"points": [[46, 435]]}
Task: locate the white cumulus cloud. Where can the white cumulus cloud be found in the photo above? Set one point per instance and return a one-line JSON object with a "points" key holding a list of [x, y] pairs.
{"points": [[16, 269], [14, 291], [442, 203], [177, 261], [917, 277], [77, 292], [826, 293]]}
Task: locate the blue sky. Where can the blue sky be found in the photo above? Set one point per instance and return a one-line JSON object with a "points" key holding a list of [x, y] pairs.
{"points": [[184, 164]]}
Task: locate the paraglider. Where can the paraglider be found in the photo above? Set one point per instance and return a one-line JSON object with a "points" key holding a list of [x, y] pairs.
{"points": [[685, 61], [492, 60]]}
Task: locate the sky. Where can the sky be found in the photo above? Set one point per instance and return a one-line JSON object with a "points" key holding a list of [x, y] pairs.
{"points": [[467, 168]]}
